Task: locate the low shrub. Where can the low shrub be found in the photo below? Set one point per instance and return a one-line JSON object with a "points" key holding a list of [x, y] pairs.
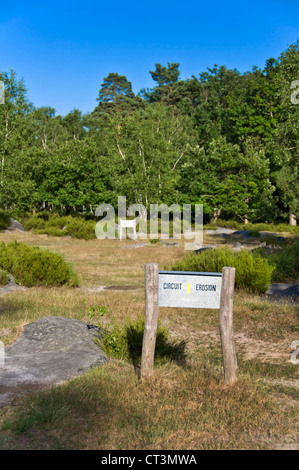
{"points": [[58, 222], [32, 266], [52, 231], [57, 226], [125, 342], [4, 220], [4, 278], [34, 223], [253, 273], [285, 260], [80, 228]]}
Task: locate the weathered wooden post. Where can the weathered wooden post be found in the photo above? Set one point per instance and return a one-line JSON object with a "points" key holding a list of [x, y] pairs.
{"points": [[226, 325], [151, 319]]}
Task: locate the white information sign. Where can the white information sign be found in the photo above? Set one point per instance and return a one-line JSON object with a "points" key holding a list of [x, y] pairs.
{"points": [[189, 289]]}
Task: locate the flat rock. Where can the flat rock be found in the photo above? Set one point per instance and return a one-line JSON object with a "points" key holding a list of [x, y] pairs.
{"points": [[15, 225], [237, 247], [227, 231], [241, 233], [276, 237], [136, 245], [204, 248], [11, 286], [169, 244], [50, 351], [284, 290]]}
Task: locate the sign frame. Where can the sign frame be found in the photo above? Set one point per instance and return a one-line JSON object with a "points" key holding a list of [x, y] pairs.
{"points": [[151, 273]]}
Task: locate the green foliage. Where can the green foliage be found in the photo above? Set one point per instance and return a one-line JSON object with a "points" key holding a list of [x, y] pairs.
{"points": [[4, 220], [34, 223], [253, 273], [286, 261], [165, 78], [286, 152], [80, 228], [4, 277], [57, 226], [226, 178], [149, 148], [32, 266], [226, 139], [97, 311], [116, 96], [125, 342], [154, 241]]}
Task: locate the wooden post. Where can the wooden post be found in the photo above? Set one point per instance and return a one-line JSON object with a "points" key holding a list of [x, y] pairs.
{"points": [[226, 326], [151, 319]]}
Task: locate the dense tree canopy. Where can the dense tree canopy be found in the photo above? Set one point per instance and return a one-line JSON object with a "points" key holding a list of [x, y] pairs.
{"points": [[226, 139]]}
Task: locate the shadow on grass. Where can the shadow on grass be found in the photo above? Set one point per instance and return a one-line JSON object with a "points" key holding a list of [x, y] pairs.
{"points": [[166, 350], [125, 342]]}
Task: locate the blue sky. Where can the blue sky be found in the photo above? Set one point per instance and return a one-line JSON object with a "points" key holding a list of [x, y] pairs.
{"points": [[64, 49]]}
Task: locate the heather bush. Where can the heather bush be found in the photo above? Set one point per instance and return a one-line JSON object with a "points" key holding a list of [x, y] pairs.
{"points": [[285, 259], [32, 266], [80, 228], [57, 226], [4, 278], [253, 273]]}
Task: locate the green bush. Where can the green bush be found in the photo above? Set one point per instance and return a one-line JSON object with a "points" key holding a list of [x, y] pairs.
{"points": [[4, 220], [253, 273], [58, 222], [285, 260], [52, 231], [34, 223], [4, 278], [125, 342], [57, 226], [79, 228], [32, 266]]}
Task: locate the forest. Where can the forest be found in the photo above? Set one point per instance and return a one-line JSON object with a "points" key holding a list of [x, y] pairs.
{"points": [[221, 138]]}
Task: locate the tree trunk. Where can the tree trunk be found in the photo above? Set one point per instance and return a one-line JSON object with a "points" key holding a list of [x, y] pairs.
{"points": [[293, 219], [216, 215]]}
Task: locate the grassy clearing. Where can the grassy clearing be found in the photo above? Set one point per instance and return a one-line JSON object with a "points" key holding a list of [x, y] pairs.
{"points": [[183, 406], [177, 409]]}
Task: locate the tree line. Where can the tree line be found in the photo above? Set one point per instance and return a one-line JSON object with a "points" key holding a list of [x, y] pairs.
{"points": [[226, 139]]}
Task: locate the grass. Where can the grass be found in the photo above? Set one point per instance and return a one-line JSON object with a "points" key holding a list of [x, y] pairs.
{"points": [[102, 402], [184, 405]]}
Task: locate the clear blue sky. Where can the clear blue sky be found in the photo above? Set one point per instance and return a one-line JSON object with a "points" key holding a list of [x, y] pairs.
{"points": [[64, 49]]}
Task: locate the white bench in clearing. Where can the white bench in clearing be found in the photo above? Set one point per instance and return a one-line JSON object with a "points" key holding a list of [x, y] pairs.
{"points": [[123, 224]]}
